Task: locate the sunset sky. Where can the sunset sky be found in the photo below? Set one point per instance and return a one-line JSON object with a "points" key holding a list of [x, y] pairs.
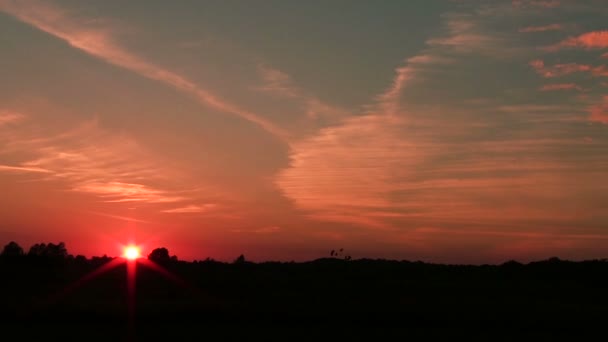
{"points": [[444, 131]]}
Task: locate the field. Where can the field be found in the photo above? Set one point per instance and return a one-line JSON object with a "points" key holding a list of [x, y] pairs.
{"points": [[181, 299]]}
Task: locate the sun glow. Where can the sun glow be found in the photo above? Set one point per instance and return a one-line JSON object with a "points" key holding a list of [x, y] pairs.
{"points": [[132, 252]]}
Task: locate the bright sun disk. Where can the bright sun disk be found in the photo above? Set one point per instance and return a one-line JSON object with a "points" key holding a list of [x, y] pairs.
{"points": [[132, 252]]}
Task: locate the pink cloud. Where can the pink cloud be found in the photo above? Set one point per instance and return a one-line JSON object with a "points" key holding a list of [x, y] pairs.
{"points": [[605, 55], [7, 117], [599, 113], [600, 71], [20, 169], [191, 209], [537, 64], [89, 160], [566, 69], [589, 40], [389, 100], [561, 86], [552, 27], [100, 43]]}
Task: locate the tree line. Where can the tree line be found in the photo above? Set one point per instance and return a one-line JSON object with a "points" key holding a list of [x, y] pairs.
{"points": [[59, 251]]}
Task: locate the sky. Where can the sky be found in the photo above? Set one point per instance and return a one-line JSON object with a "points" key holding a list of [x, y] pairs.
{"points": [[435, 130]]}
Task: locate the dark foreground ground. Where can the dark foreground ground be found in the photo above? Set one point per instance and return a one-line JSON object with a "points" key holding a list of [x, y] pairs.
{"points": [[357, 299]]}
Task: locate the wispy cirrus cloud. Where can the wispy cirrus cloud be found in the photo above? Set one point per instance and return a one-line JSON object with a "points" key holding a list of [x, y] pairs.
{"points": [[536, 3], [26, 169], [191, 209], [403, 166], [276, 81], [279, 83], [560, 86], [544, 28], [113, 168], [118, 192], [465, 36], [100, 42]]}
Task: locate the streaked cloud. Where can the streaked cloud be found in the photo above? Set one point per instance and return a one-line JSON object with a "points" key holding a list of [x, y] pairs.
{"points": [[279, 83], [402, 165], [9, 168], [561, 86], [465, 36], [536, 3], [92, 161], [191, 209], [564, 69], [545, 28], [99, 42]]}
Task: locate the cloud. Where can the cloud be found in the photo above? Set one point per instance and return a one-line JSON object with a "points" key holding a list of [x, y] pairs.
{"points": [[99, 42], [385, 172], [344, 167], [545, 28], [279, 83], [536, 3], [276, 81], [117, 192], [599, 112], [7, 117], [589, 40], [465, 36], [20, 169], [400, 166], [191, 209], [605, 55], [560, 86], [564, 69], [111, 167]]}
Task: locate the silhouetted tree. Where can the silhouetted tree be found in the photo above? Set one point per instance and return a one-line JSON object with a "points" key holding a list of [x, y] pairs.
{"points": [[12, 249], [161, 255], [37, 249], [49, 251], [81, 259]]}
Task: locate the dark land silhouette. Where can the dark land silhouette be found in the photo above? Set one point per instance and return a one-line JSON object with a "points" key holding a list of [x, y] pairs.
{"points": [[46, 292]]}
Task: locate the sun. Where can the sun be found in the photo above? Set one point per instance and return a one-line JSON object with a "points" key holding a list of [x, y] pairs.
{"points": [[132, 252]]}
